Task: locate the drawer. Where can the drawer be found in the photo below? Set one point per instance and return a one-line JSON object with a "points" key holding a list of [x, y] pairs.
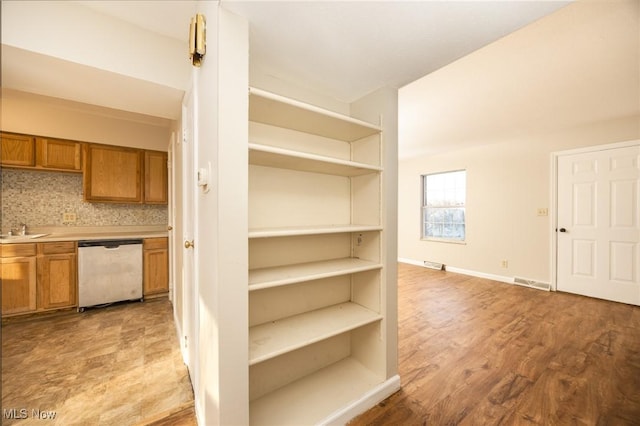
{"points": [[155, 243], [17, 250], [59, 247]]}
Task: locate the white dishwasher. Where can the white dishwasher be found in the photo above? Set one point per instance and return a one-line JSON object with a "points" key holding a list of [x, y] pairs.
{"points": [[109, 271]]}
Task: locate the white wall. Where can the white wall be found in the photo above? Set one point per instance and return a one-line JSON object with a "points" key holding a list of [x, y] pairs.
{"points": [[221, 222], [80, 35], [45, 116], [506, 184], [505, 140]]}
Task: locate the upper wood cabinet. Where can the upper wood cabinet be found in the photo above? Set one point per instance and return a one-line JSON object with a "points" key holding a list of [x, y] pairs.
{"points": [[18, 150], [155, 177], [24, 151], [59, 154], [113, 174]]}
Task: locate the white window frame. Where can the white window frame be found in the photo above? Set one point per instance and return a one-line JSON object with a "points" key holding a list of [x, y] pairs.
{"points": [[424, 207]]}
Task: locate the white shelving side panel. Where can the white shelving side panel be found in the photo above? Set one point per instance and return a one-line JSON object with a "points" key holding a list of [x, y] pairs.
{"points": [[312, 398], [310, 230], [291, 274], [275, 338], [263, 155], [279, 111]]}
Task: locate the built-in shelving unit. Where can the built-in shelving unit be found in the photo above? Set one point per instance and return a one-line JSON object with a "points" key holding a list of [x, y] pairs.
{"points": [[316, 299], [309, 230], [291, 274], [278, 337], [269, 156]]}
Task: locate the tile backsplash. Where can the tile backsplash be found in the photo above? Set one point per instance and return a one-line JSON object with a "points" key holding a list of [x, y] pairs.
{"points": [[40, 198]]}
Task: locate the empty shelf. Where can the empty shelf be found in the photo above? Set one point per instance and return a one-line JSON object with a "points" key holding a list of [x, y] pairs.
{"points": [[275, 338], [262, 155], [310, 230], [313, 398], [289, 274], [276, 110]]}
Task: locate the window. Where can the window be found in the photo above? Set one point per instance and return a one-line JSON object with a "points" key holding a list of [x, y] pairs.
{"points": [[443, 205]]}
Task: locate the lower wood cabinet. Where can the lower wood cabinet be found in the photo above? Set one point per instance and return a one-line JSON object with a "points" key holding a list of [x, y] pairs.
{"points": [[18, 274], [57, 275], [156, 266], [38, 277]]}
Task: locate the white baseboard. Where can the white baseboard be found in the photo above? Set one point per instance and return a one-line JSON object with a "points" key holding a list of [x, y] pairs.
{"points": [[410, 261], [368, 400], [501, 278]]}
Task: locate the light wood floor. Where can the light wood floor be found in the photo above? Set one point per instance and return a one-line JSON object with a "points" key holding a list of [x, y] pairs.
{"points": [[478, 352], [117, 365], [471, 352]]}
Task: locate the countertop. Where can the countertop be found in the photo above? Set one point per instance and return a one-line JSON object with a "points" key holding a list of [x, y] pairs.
{"points": [[77, 233]]}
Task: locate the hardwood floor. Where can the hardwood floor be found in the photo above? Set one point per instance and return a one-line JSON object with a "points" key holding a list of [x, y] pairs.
{"points": [[117, 365], [477, 352], [471, 352]]}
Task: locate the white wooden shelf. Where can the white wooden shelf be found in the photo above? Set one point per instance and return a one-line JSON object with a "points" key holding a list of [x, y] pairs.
{"points": [[310, 399], [291, 274], [263, 155], [275, 338], [310, 230], [276, 110]]}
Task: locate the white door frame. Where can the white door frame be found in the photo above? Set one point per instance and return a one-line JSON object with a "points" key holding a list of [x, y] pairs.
{"points": [[189, 229], [554, 196]]}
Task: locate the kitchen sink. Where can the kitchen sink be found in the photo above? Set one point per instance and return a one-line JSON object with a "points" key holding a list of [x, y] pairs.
{"points": [[7, 237]]}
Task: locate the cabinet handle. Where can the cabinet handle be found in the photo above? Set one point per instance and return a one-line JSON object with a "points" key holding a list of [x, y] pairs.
{"points": [[189, 244], [169, 228]]}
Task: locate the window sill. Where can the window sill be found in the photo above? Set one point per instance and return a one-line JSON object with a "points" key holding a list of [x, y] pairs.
{"points": [[443, 240]]}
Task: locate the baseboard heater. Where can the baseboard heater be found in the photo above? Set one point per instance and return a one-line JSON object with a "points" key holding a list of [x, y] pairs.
{"points": [[433, 265], [532, 284]]}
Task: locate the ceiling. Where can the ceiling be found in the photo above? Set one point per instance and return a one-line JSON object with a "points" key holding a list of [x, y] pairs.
{"points": [[341, 49]]}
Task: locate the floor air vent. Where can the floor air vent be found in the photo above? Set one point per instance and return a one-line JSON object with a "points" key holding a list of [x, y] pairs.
{"points": [[532, 284], [433, 265]]}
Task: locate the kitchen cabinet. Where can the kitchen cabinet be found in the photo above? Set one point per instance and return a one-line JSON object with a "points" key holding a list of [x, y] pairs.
{"points": [[112, 174], [57, 275], [155, 177], [31, 152], [18, 150], [156, 266], [58, 154], [18, 276]]}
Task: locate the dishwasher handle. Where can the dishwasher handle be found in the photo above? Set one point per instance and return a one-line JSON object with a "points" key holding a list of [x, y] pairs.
{"points": [[109, 244]]}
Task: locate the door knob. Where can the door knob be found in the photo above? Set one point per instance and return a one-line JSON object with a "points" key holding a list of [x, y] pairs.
{"points": [[563, 230], [188, 244]]}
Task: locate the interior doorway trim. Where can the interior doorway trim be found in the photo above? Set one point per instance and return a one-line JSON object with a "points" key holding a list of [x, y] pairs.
{"points": [[554, 196]]}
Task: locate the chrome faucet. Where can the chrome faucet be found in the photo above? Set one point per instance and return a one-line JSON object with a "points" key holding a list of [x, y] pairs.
{"points": [[22, 230]]}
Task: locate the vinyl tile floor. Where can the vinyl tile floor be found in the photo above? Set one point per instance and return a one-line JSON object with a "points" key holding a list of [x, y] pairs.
{"points": [[116, 365]]}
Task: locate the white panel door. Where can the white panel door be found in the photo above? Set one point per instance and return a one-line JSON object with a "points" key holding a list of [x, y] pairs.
{"points": [[598, 224]]}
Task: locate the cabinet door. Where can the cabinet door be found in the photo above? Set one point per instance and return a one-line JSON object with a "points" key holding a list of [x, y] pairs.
{"points": [[155, 177], [57, 280], [18, 285], [156, 266], [18, 150], [112, 174], [58, 154]]}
